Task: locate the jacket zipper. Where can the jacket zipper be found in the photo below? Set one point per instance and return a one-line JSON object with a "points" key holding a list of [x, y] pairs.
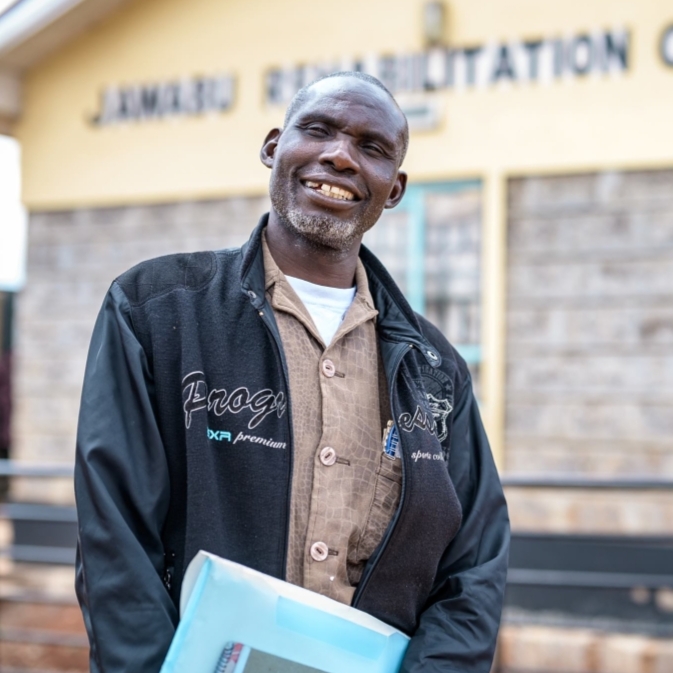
{"points": [[169, 569], [403, 349], [281, 353]]}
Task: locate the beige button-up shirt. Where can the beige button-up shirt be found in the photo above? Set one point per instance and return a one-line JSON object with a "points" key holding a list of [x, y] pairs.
{"points": [[345, 489]]}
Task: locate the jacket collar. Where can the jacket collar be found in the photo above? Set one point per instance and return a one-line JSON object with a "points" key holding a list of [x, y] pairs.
{"points": [[396, 322]]}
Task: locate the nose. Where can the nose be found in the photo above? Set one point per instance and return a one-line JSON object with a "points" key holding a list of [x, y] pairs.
{"points": [[339, 154]]}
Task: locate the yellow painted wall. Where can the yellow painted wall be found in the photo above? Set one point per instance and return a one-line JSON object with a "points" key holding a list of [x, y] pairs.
{"points": [[575, 125]]}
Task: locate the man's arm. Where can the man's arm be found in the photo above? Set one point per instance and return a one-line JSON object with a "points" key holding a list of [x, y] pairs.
{"points": [[122, 492], [458, 629]]}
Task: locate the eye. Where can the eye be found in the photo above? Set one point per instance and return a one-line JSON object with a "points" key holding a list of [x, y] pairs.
{"points": [[375, 150], [372, 147], [317, 130]]}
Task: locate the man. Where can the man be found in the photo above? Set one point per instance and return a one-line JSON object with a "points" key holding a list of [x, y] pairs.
{"points": [[281, 405]]}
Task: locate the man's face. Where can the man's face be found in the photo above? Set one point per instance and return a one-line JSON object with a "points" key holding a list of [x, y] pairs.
{"points": [[335, 165]]}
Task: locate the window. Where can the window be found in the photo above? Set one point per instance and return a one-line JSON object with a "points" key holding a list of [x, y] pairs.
{"points": [[431, 244]]}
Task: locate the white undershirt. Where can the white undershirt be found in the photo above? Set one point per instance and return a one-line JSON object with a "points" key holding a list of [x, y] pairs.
{"points": [[326, 305]]}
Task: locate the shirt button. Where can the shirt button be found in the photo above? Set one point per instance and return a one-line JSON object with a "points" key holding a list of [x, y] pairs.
{"points": [[328, 456], [328, 368], [319, 551]]}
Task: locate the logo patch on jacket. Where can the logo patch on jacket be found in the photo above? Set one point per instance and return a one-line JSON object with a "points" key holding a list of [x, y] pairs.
{"points": [[195, 396], [438, 388], [419, 419], [219, 435]]}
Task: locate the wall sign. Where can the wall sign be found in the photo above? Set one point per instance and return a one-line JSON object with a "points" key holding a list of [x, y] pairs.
{"points": [[191, 96], [473, 66], [438, 68]]}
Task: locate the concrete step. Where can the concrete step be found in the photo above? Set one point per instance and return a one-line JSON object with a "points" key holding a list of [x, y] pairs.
{"points": [[39, 657], [530, 648], [42, 637]]}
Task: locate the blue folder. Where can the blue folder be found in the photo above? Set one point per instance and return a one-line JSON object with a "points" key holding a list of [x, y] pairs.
{"points": [[238, 620]]}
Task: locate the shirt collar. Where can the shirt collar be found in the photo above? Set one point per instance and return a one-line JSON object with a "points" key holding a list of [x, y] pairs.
{"points": [[396, 321], [283, 297]]}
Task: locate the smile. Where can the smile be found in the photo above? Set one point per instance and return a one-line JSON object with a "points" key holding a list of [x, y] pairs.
{"points": [[334, 192]]}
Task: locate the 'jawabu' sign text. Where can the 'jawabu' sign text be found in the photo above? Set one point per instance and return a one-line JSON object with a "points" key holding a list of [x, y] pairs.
{"points": [[191, 96], [474, 66]]}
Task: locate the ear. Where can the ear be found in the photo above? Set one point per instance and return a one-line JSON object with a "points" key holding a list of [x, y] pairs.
{"points": [[268, 151], [398, 190]]}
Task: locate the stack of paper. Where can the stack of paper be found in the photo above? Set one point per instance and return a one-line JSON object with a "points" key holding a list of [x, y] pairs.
{"points": [[237, 620]]}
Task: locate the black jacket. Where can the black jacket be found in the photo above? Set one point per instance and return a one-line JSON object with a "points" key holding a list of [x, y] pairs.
{"points": [[186, 355]]}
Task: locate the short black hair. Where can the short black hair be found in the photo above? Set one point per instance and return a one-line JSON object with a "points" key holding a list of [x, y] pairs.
{"points": [[300, 98]]}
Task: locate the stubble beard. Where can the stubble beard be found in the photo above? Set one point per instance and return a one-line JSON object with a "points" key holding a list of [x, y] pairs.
{"points": [[324, 230]]}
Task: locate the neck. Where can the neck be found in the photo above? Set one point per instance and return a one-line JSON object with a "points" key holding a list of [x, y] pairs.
{"points": [[300, 258]]}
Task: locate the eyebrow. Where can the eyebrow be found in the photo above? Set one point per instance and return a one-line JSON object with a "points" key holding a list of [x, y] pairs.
{"points": [[327, 119]]}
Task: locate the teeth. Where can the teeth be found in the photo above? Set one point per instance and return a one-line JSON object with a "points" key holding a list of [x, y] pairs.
{"points": [[331, 191]]}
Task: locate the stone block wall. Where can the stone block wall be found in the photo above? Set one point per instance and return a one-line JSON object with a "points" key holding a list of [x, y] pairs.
{"points": [[590, 343], [589, 327], [73, 257]]}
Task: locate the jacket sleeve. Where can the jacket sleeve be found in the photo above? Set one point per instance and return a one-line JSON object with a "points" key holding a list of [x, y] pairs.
{"points": [[458, 629], [122, 493]]}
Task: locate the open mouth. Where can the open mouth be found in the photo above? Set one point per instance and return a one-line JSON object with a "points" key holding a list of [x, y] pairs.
{"points": [[332, 191]]}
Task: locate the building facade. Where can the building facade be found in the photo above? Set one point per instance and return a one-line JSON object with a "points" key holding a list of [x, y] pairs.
{"points": [[537, 230]]}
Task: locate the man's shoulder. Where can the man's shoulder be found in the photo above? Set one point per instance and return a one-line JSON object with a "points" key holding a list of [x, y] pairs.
{"points": [[451, 358], [191, 271]]}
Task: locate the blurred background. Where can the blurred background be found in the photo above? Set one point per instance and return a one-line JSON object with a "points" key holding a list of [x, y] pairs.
{"points": [[537, 232]]}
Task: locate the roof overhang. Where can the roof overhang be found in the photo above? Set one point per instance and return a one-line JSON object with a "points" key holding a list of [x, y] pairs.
{"points": [[30, 30]]}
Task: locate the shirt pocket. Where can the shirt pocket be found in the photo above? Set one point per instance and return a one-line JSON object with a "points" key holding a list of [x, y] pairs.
{"points": [[386, 498]]}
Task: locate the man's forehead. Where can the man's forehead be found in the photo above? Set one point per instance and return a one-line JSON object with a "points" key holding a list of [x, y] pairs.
{"points": [[343, 94]]}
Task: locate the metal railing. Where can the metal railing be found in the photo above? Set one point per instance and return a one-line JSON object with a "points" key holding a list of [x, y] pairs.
{"points": [[13, 468], [578, 482], [570, 574], [42, 532]]}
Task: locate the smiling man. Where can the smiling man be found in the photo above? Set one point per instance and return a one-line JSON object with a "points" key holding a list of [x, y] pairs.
{"points": [[282, 406]]}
